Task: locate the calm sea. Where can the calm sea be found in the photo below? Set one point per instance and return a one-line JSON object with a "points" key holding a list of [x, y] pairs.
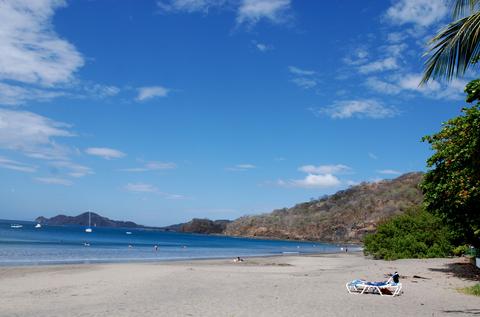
{"points": [[71, 244]]}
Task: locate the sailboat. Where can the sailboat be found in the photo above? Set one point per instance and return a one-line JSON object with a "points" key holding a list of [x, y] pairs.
{"points": [[89, 229]]}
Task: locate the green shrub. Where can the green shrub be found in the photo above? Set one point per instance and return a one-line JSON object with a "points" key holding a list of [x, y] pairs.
{"points": [[473, 290], [415, 234], [461, 250]]}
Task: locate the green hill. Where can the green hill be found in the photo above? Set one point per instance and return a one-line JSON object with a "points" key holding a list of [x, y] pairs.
{"points": [[343, 217]]}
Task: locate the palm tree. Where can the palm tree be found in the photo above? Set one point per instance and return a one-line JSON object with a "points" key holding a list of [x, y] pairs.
{"points": [[457, 46]]}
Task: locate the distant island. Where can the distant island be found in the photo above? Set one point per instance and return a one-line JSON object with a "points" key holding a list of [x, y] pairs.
{"points": [[82, 220], [203, 226], [345, 216]]}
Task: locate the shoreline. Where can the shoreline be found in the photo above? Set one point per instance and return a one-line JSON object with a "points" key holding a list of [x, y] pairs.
{"points": [[303, 285], [42, 263]]}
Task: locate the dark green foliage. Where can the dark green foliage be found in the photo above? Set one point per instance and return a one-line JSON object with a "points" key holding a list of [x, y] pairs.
{"points": [[473, 90], [415, 234], [452, 187]]}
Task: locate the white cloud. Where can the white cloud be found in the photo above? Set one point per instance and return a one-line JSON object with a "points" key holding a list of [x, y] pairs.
{"points": [[367, 108], [32, 134], [73, 169], [325, 169], [398, 83], [305, 83], [246, 166], [396, 37], [15, 95], [152, 166], [395, 50], [388, 63], [318, 176], [241, 167], [251, 12], [189, 6], [357, 57], [385, 87], [422, 13], [303, 78], [106, 153], [16, 166], [389, 172], [148, 188], [301, 72], [248, 12], [372, 156], [262, 47], [145, 93], [36, 64], [54, 181], [100, 91], [31, 50], [315, 181], [141, 188]]}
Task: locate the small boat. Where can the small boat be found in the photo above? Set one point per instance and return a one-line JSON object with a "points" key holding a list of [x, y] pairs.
{"points": [[128, 232], [38, 226], [89, 229], [16, 226]]}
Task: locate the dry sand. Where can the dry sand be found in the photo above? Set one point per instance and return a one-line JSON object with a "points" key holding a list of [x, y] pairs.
{"points": [[275, 286]]}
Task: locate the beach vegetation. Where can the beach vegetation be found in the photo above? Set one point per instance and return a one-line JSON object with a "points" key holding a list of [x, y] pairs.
{"points": [[414, 234], [472, 290], [455, 48], [461, 250], [452, 185]]}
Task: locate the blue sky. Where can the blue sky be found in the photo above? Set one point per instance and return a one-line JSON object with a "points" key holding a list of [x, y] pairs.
{"points": [[161, 111]]}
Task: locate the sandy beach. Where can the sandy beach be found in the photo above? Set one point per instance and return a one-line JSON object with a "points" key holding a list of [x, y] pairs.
{"points": [[273, 286]]}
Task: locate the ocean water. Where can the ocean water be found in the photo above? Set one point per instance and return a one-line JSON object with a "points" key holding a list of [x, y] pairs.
{"points": [[71, 244]]}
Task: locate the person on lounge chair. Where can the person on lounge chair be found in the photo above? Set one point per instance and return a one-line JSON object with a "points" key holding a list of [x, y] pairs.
{"points": [[390, 287]]}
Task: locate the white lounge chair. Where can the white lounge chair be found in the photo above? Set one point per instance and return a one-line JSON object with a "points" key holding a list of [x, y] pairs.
{"points": [[356, 286], [387, 288]]}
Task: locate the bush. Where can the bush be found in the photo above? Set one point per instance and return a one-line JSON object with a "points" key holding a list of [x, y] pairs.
{"points": [[461, 250], [415, 234], [473, 290]]}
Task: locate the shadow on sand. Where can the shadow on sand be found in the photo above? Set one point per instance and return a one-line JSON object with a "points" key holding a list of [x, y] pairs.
{"points": [[463, 311], [462, 269]]}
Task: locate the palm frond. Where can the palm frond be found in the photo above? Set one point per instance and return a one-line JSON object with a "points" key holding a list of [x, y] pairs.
{"points": [[453, 49], [462, 8]]}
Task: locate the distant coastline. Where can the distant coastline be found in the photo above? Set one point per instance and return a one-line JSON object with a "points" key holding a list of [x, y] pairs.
{"points": [[342, 218]]}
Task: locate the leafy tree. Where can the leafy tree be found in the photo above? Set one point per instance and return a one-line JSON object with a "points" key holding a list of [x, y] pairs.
{"points": [[457, 46], [415, 234], [452, 187]]}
